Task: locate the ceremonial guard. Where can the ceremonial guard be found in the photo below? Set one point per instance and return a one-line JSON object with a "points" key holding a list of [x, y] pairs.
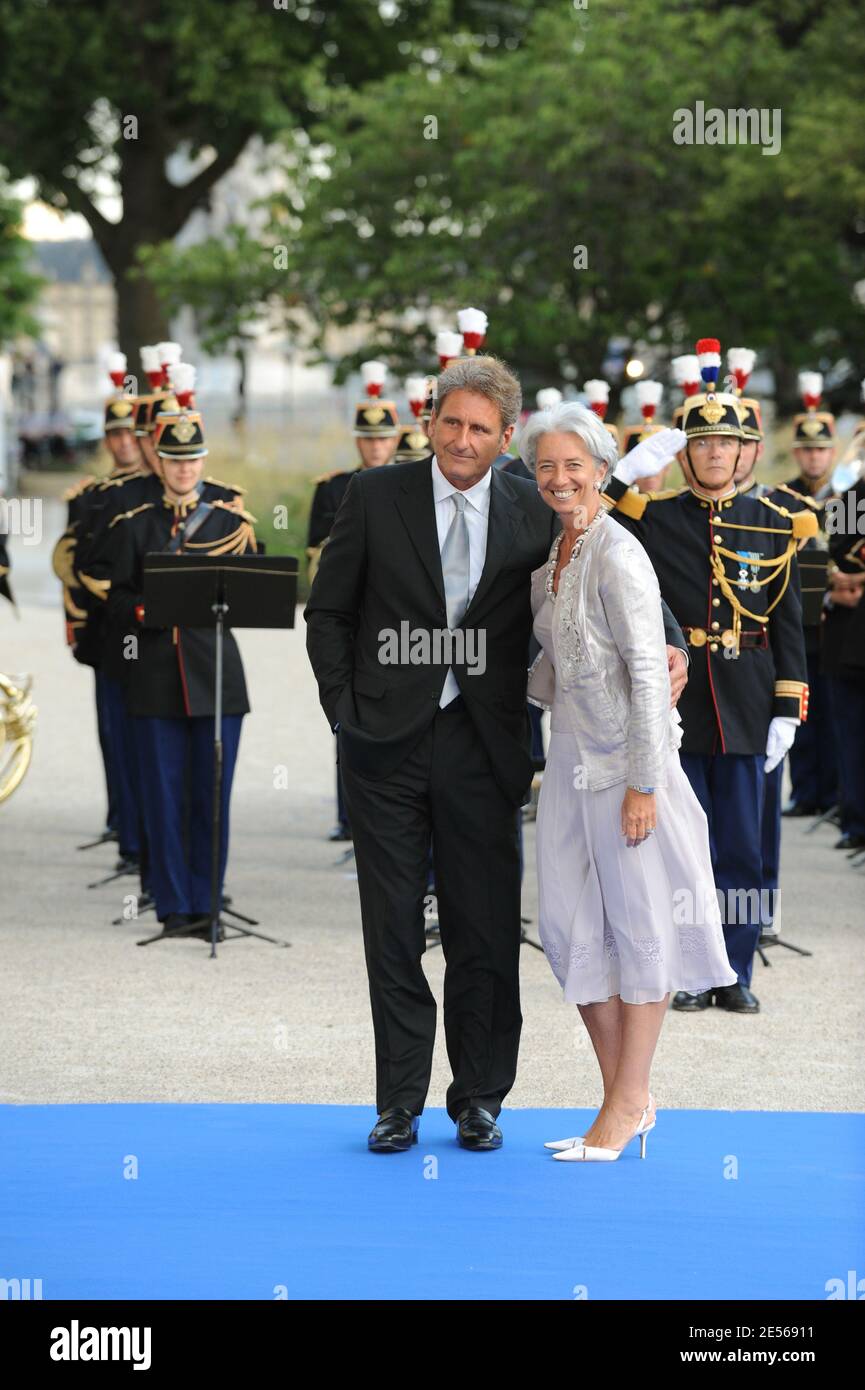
{"points": [[843, 653], [740, 364], [83, 609], [412, 440], [648, 395], [170, 678], [597, 393], [376, 432], [813, 764], [93, 565], [725, 566]]}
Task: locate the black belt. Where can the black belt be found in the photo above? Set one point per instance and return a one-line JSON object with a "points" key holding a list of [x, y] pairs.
{"points": [[748, 637]]}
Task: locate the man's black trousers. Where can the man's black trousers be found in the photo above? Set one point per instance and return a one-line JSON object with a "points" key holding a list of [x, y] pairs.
{"points": [[443, 791]]}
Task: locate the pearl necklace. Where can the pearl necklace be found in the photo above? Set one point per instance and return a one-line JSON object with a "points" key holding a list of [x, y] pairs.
{"points": [[575, 552]]}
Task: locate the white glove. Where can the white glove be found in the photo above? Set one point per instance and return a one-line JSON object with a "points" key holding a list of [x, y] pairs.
{"points": [[650, 456], [782, 732]]}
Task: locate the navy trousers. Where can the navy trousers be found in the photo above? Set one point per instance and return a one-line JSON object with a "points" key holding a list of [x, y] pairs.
{"points": [[813, 762], [176, 764], [112, 819], [771, 840], [730, 787], [847, 702], [124, 764]]}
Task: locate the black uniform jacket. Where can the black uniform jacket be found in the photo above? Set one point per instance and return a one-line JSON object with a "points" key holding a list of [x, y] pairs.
{"points": [[169, 672], [84, 616], [92, 555], [843, 652], [381, 569], [813, 556], [325, 504], [751, 586]]}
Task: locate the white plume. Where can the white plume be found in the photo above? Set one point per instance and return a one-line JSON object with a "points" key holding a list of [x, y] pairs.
{"points": [[416, 388], [547, 396], [182, 376], [169, 353], [472, 321], [449, 344], [597, 390], [685, 369], [373, 373], [649, 392], [741, 359], [810, 384]]}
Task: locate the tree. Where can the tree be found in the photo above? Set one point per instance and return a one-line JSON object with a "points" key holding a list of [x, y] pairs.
{"points": [[227, 282], [544, 184], [96, 97], [19, 287]]}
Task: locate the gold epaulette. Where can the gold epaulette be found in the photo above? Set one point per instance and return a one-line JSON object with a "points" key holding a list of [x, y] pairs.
{"points": [[667, 492], [232, 487], [632, 504], [77, 488], [235, 510], [799, 496], [124, 515], [124, 478], [326, 477], [805, 525]]}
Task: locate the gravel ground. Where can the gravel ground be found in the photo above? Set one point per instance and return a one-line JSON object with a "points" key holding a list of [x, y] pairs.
{"points": [[88, 1016]]}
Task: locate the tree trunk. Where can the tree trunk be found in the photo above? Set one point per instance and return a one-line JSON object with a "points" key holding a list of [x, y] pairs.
{"points": [[140, 319], [240, 408], [786, 387]]}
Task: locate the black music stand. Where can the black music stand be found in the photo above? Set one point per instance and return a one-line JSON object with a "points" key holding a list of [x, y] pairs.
{"points": [[219, 591]]}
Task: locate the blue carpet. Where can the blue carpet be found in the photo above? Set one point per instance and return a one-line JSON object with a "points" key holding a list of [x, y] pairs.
{"points": [[234, 1201]]}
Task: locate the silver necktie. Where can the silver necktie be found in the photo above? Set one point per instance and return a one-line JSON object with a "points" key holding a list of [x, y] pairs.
{"points": [[455, 563]]}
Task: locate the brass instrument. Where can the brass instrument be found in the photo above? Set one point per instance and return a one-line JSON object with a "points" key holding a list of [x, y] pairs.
{"points": [[17, 721]]}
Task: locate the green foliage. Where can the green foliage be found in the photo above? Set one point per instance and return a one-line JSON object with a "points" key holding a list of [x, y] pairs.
{"points": [[19, 287], [566, 141], [226, 281]]}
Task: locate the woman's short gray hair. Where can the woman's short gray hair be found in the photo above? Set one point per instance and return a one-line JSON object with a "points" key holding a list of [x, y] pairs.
{"points": [[569, 417]]}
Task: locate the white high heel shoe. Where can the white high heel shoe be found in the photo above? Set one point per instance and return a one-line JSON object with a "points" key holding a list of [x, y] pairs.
{"points": [[590, 1154], [560, 1145]]}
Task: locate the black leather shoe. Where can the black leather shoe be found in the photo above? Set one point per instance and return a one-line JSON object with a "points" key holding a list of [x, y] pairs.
{"points": [[851, 842], [685, 1003], [736, 999], [340, 832], [799, 808], [476, 1129], [395, 1130]]}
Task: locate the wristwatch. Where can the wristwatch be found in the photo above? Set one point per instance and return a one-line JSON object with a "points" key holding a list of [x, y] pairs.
{"points": [[647, 791]]}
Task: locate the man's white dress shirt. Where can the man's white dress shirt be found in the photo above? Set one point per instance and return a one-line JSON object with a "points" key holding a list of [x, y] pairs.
{"points": [[477, 516]]}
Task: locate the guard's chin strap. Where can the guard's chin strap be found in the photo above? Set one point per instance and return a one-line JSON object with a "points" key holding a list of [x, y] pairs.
{"points": [[696, 475]]}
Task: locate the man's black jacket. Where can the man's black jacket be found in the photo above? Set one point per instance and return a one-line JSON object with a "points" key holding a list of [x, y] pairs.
{"points": [[381, 568]]}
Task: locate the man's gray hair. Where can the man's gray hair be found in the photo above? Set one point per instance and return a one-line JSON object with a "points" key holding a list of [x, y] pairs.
{"points": [[569, 417], [487, 376]]}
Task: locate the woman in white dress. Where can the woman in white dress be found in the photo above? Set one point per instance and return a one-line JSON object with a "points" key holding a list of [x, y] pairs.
{"points": [[628, 909]]}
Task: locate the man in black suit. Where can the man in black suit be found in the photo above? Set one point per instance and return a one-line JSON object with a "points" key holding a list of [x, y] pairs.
{"points": [[435, 743]]}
